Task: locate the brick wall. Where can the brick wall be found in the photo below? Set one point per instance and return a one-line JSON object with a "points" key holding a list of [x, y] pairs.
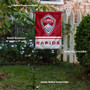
{"points": [[75, 5]]}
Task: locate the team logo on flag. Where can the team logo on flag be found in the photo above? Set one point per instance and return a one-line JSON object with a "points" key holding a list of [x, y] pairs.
{"points": [[48, 30], [48, 23]]}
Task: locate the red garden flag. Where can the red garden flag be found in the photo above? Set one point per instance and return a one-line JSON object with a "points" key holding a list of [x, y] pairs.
{"points": [[48, 30]]}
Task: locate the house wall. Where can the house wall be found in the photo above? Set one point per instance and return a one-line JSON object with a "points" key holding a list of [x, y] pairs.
{"points": [[74, 5]]}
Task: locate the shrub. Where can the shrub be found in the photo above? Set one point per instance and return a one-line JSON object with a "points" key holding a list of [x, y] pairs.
{"points": [[82, 41], [24, 51], [18, 52]]}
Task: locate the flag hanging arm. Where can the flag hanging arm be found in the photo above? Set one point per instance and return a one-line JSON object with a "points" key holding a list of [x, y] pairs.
{"points": [[18, 5]]}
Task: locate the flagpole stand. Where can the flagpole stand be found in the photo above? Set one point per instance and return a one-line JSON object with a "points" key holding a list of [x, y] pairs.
{"points": [[33, 67], [34, 45]]}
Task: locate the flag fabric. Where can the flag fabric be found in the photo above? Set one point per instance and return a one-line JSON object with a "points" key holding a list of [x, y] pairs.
{"points": [[48, 30]]}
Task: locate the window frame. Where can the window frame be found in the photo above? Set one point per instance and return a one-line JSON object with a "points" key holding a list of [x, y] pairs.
{"points": [[51, 2]]}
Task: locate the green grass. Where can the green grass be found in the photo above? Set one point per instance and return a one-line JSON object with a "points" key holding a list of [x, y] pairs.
{"points": [[21, 77]]}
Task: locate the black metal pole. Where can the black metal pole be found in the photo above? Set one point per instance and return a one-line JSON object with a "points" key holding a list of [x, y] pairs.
{"points": [[33, 69]]}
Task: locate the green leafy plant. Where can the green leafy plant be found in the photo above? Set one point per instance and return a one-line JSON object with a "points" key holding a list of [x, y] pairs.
{"points": [[82, 41], [21, 26], [7, 10]]}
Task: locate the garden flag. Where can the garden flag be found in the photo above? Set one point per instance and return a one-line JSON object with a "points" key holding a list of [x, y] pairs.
{"points": [[48, 30]]}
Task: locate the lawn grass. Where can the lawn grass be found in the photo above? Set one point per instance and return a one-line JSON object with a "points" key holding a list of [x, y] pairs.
{"points": [[20, 77]]}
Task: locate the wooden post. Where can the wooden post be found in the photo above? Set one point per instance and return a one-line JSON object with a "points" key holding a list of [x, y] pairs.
{"points": [[86, 12], [31, 14], [79, 17], [71, 36], [65, 38]]}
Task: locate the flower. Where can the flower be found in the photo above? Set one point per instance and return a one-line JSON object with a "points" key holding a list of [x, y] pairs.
{"points": [[52, 51], [33, 51], [12, 45], [0, 47], [30, 40]]}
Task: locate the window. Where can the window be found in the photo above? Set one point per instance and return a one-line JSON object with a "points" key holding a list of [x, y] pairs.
{"points": [[51, 1]]}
